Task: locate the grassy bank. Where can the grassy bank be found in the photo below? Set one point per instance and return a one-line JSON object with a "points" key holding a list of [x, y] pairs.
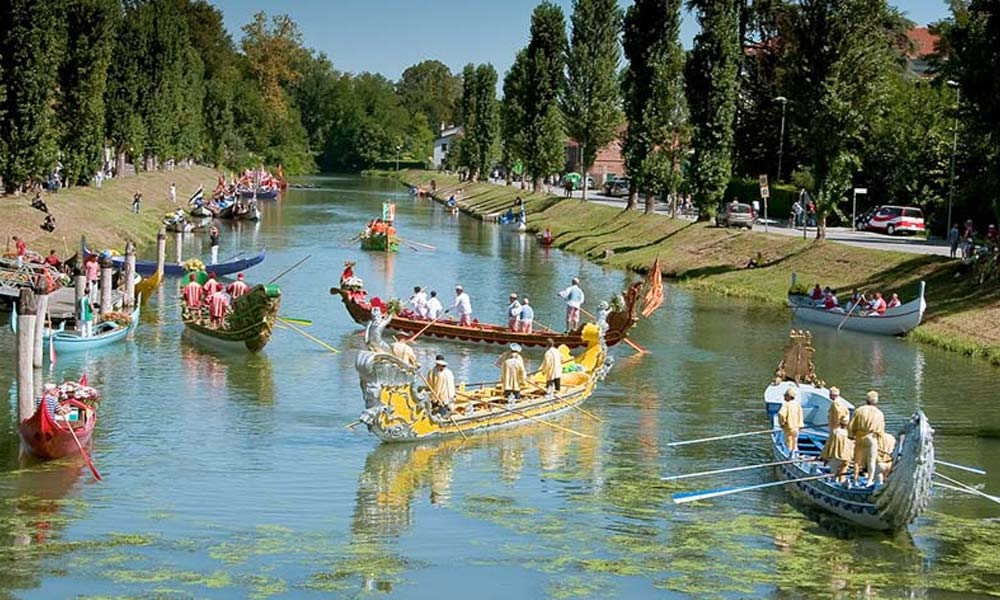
{"points": [[961, 316], [103, 214]]}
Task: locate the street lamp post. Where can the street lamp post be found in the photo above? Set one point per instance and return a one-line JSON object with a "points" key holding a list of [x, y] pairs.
{"points": [[399, 149], [781, 138], [954, 151]]}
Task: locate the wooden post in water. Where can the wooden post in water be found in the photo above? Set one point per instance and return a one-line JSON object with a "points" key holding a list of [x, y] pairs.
{"points": [[178, 240], [129, 300], [25, 350], [42, 307], [81, 288], [161, 251], [107, 299]]}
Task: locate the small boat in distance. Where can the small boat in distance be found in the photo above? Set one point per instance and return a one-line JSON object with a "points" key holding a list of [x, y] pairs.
{"points": [[249, 323], [148, 267], [105, 333], [895, 321]]}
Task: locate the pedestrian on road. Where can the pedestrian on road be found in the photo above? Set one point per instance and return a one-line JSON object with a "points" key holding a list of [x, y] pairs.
{"points": [[136, 202], [796, 217], [953, 237]]}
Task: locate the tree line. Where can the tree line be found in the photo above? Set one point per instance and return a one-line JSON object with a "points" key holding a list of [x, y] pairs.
{"points": [[833, 73]]}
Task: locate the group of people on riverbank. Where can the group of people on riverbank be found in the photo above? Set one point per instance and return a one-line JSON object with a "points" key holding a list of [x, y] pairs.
{"points": [[859, 303], [212, 297]]}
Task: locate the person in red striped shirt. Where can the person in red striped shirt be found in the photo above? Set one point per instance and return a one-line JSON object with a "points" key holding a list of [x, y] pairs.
{"points": [[218, 307], [238, 287], [192, 294], [211, 286]]}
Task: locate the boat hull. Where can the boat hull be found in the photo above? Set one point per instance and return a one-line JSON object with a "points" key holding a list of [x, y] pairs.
{"points": [[144, 267], [249, 324], [379, 243], [895, 321], [46, 439]]}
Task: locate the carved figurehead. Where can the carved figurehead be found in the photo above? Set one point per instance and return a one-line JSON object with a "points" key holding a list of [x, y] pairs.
{"points": [[376, 367], [374, 329], [797, 364]]}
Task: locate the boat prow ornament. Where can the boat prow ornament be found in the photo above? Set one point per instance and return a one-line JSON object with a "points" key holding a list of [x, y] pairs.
{"points": [[797, 364]]}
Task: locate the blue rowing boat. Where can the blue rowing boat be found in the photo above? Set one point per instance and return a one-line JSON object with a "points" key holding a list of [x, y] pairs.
{"points": [[147, 267], [104, 334]]}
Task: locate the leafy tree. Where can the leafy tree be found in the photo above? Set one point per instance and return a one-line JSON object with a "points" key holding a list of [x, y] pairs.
{"points": [[486, 124], [30, 50], [124, 126], [512, 118], [466, 154], [544, 137], [82, 82], [273, 50], [711, 75], [429, 88], [590, 102]]}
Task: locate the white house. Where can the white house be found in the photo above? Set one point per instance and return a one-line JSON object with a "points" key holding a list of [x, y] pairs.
{"points": [[443, 144]]}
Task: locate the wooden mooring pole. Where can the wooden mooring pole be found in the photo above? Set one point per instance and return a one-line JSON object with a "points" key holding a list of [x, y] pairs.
{"points": [[107, 299], [161, 251], [26, 311], [42, 308], [129, 300], [178, 246]]}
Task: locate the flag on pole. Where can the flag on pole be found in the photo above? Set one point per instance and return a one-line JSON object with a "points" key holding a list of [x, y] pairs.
{"points": [[198, 196], [389, 211], [83, 379], [654, 290]]}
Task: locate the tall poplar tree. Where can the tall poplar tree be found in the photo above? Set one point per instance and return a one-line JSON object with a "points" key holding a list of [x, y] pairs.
{"points": [[711, 74], [545, 141], [591, 101], [124, 126], [512, 118], [467, 147], [486, 122]]}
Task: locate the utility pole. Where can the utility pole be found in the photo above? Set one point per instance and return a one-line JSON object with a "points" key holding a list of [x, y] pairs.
{"points": [[954, 151], [781, 138]]}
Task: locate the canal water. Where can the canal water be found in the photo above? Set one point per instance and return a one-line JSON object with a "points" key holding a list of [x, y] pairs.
{"points": [[228, 476]]}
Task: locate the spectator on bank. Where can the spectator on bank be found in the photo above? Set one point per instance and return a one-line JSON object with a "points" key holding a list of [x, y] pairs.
{"points": [[953, 238]]}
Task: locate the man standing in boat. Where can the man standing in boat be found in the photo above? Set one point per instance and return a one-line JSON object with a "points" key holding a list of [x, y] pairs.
{"points": [[574, 298], [838, 409], [213, 236], [791, 421], [526, 319], [192, 293], [513, 374], [441, 381], [552, 368], [513, 313], [839, 449], [211, 286], [463, 305], [218, 307], [403, 352], [868, 420], [238, 287], [434, 307], [418, 301]]}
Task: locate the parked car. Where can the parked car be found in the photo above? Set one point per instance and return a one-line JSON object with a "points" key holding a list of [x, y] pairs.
{"points": [[616, 186], [735, 214], [864, 218], [897, 219]]}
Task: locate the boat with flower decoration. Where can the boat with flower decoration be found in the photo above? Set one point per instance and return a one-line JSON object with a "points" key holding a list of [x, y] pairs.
{"points": [[399, 406], [62, 422], [249, 323]]}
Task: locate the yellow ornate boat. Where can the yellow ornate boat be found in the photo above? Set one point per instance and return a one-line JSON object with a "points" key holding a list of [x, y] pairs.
{"points": [[398, 405]]}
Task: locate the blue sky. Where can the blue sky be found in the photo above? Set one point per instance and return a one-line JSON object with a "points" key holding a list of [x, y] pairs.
{"points": [[386, 36]]}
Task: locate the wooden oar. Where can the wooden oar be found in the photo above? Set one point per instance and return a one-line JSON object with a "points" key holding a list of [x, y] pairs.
{"points": [[309, 336], [421, 244], [722, 437], [86, 457], [450, 416], [426, 327], [289, 269], [625, 339], [975, 470], [968, 489], [408, 245], [351, 426], [736, 469], [305, 322], [574, 406], [844, 320], [716, 493], [501, 405]]}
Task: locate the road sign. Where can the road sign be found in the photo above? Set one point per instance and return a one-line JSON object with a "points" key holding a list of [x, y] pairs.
{"points": [[765, 193], [763, 181], [860, 190]]}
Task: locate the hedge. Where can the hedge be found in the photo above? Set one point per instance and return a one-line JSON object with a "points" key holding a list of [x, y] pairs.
{"points": [[779, 205]]}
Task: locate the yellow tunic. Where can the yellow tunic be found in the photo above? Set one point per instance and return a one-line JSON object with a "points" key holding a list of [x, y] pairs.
{"points": [[837, 410], [838, 446], [442, 384], [552, 364], [886, 447], [513, 374], [867, 419], [403, 352], [790, 416]]}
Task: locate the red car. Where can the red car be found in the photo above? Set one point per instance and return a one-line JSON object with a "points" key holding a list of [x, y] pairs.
{"points": [[897, 219]]}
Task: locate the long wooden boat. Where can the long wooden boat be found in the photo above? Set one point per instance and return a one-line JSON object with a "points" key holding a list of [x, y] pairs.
{"points": [[104, 334], [398, 408], [259, 193], [620, 322], [890, 506], [379, 242], [148, 267], [50, 439], [249, 323], [895, 321]]}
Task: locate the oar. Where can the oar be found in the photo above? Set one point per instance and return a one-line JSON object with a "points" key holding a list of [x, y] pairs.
{"points": [[961, 487], [86, 457], [426, 327], [722, 437], [716, 493], [289, 269], [735, 469], [579, 408], [421, 244], [855, 305], [533, 418], [309, 336], [305, 322], [625, 339], [975, 470], [450, 416], [408, 245], [351, 426]]}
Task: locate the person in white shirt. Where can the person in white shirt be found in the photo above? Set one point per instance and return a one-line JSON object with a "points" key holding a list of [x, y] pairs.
{"points": [[513, 313], [574, 298], [463, 306], [418, 301], [434, 307], [173, 193], [527, 317]]}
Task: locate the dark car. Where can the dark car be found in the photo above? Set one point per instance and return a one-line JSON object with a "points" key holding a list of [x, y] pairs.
{"points": [[616, 186], [735, 214]]}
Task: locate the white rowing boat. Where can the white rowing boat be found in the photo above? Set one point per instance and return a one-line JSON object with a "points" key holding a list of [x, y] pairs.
{"points": [[895, 321]]}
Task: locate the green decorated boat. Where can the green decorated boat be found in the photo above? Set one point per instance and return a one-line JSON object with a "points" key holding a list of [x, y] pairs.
{"points": [[249, 322], [379, 242]]}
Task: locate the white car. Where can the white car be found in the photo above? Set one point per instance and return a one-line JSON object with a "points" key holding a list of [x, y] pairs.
{"points": [[897, 219]]}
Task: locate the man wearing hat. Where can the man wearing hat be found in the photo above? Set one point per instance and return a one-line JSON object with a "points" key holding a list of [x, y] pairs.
{"points": [[463, 305], [403, 352], [441, 382], [838, 409], [513, 374], [211, 286], [552, 367], [838, 450], [513, 312], [791, 421], [574, 297], [238, 287], [868, 420], [418, 301]]}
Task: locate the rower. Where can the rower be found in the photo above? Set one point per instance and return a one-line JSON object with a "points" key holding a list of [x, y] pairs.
{"points": [[513, 312], [513, 374], [552, 367], [526, 318], [418, 301], [463, 305], [893, 302], [218, 307], [434, 308], [878, 305], [817, 293], [791, 421], [838, 450], [574, 298], [192, 293], [884, 453], [441, 381], [211, 286], [403, 352], [238, 287], [86, 317], [867, 420], [838, 409]]}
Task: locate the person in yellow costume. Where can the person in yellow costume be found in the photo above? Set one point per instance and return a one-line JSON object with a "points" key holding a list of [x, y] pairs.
{"points": [[790, 419], [838, 450], [513, 374], [867, 420], [880, 461], [403, 352], [552, 367], [441, 382], [838, 409]]}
